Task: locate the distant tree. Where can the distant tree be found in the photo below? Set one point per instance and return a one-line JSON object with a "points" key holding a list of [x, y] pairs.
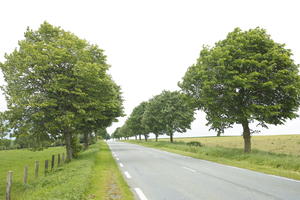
{"points": [[244, 78], [58, 87], [103, 133], [169, 112], [135, 123]]}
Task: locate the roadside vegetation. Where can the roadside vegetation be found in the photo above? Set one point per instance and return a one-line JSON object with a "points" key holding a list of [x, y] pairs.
{"points": [[16, 160], [93, 175], [107, 182], [282, 161], [245, 78]]}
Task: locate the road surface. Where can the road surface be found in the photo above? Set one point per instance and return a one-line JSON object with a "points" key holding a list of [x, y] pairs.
{"points": [[158, 175]]}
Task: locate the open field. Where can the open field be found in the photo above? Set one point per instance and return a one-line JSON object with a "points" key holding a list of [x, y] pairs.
{"points": [[16, 160], [91, 175], [265, 157], [286, 144]]}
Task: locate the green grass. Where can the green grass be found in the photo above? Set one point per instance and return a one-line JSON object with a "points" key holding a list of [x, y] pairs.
{"points": [[93, 175], [286, 144], [258, 160], [107, 181], [16, 160]]}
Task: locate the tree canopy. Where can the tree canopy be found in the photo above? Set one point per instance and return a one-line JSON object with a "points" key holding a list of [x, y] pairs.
{"points": [[169, 112], [245, 78], [58, 86]]}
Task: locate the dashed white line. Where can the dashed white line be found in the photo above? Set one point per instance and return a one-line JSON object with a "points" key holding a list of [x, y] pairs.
{"points": [[127, 175], [140, 194], [192, 170], [117, 158], [121, 165]]}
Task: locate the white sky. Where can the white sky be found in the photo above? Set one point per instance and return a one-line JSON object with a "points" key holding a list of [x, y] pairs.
{"points": [[150, 44]]}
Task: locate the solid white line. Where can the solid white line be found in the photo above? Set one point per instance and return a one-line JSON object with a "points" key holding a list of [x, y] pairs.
{"points": [[140, 194], [127, 174], [192, 170], [121, 165], [284, 178]]}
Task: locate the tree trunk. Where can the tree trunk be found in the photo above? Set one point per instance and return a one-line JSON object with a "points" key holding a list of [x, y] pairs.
{"points": [[68, 141], [146, 138], [86, 140], [140, 137], [219, 133], [156, 136], [171, 137], [135, 137], [246, 136]]}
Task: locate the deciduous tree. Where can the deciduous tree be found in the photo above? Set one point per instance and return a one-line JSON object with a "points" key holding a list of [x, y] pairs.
{"points": [[245, 78]]}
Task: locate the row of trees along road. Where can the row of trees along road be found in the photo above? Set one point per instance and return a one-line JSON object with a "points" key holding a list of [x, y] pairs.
{"points": [[165, 113], [57, 87], [245, 78]]}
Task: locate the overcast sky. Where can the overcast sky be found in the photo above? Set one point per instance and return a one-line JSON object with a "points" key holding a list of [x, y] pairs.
{"points": [[150, 44]]}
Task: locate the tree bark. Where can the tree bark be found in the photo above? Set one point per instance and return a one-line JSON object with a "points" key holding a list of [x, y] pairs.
{"points": [[140, 137], [246, 136], [146, 138], [135, 137], [171, 137], [219, 133], [156, 136], [86, 140], [69, 149]]}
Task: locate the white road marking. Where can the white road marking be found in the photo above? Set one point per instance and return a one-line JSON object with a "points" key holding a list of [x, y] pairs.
{"points": [[140, 194], [121, 165], [284, 178], [117, 158], [192, 170], [127, 175]]}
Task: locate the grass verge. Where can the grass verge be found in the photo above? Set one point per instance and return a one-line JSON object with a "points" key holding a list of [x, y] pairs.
{"points": [[93, 175], [262, 161], [107, 182]]}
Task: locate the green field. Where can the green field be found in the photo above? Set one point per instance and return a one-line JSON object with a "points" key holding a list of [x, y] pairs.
{"points": [[286, 144], [16, 160], [91, 176], [278, 155]]}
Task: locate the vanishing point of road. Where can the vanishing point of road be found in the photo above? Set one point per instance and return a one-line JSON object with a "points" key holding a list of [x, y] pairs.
{"points": [[158, 175]]}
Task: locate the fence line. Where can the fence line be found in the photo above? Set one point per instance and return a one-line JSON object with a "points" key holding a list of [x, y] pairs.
{"points": [[9, 181]]}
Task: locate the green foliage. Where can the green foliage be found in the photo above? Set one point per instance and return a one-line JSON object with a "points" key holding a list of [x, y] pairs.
{"points": [[194, 143], [135, 123], [169, 112], [245, 78], [76, 146], [58, 86]]}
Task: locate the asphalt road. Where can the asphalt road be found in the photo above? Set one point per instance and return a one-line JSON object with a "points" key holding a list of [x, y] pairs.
{"points": [[158, 175]]}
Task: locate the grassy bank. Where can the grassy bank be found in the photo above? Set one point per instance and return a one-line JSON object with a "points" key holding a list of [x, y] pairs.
{"points": [[287, 165], [107, 182], [93, 175], [286, 144]]}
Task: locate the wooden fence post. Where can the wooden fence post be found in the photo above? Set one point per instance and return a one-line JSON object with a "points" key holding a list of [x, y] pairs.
{"points": [[63, 158], [58, 160], [36, 169], [52, 162], [8, 185], [25, 174], [46, 167]]}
